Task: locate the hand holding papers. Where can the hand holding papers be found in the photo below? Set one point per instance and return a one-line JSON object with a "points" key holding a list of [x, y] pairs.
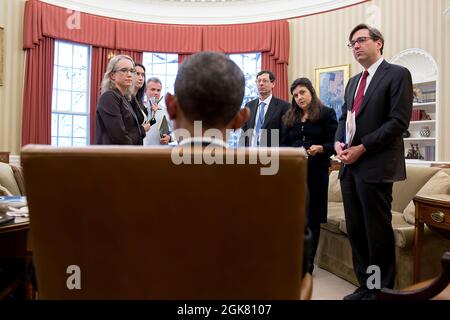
{"points": [[163, 127]]}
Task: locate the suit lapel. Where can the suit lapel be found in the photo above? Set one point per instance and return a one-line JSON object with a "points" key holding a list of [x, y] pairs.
{"points": [[270, 112], [352, 91], [253, 109], [379, 74]]}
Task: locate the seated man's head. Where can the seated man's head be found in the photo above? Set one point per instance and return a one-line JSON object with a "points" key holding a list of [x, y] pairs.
{"points": [[209, 87]]}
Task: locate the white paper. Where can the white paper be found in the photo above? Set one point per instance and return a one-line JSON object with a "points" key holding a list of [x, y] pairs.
{"points": [[350, 128]]}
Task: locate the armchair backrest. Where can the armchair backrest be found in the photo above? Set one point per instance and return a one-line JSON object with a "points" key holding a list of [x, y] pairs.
{"points": [[128, 223]]}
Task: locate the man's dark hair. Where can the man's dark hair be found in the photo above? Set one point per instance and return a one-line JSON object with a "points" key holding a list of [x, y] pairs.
{"points": [[210, 87], [270, 73], [374, 34]]}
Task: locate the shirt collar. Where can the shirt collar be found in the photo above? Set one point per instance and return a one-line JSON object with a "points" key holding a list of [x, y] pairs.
{"points": [[266, 101], [203, 141], [373, 68]]}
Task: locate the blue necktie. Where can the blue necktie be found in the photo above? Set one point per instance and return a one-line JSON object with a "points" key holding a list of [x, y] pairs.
{"points": [[260, 121]]}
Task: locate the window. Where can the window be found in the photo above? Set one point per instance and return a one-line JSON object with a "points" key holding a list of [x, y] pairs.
{"points": [[250, 64], [161, 65], [70, 98], [165, 67]]}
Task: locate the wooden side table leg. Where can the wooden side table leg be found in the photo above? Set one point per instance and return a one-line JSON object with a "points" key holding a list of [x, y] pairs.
{"points": [[418, 224]]}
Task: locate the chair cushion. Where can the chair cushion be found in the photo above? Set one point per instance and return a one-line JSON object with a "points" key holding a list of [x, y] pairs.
{"points": [[7, 179], [404, 191], [335, 217], [4, 191], [18, 175], [438, 184]]}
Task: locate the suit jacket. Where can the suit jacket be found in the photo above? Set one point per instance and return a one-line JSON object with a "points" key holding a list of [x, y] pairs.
{"points": [[116, 122], [272, 120], [384, 115]]}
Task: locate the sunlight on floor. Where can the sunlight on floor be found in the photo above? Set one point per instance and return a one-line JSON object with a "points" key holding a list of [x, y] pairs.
{"points": [[327, 286]]}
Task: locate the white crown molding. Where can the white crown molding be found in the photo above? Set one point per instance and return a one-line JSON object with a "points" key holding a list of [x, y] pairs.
{"points": [[203, 12]]}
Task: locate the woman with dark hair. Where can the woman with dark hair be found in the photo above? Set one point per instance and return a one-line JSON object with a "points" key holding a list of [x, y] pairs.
{"points": [[310, 124], [137, 99]]}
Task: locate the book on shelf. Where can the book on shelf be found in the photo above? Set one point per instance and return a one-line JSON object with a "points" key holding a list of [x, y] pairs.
{"points": [[429, 152]]}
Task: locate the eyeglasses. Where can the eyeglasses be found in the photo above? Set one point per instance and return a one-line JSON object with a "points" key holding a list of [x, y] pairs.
{"points": [[126, 70], [360, 40]]}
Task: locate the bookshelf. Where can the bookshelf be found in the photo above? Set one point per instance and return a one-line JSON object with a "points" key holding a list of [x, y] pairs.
{"points": [[421, 140]]}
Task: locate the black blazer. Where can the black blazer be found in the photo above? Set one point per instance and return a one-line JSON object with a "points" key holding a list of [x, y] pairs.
{"points": [[272, 120], [384, 115], [116, 122]]}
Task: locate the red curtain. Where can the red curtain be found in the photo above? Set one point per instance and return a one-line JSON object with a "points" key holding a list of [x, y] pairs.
{"points": [[183, 57], [46, 20], [100, 59], [150, 37], [37, 98]]}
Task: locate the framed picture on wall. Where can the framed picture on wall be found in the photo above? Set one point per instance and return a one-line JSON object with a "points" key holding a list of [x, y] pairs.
{"points": [[1, 55], [330, 86]]}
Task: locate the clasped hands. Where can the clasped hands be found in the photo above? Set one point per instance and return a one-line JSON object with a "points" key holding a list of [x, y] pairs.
{"points": [[348, 155], [314, 149]]}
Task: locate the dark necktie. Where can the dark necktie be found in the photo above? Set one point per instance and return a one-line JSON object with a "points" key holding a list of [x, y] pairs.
{"points": [[360, 94]]}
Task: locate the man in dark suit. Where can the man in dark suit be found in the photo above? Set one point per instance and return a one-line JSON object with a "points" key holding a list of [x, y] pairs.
{"points": [[264, 125], [377, 110]]}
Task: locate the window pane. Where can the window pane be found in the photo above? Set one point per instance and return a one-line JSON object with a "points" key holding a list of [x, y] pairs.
{"points": [[80, 56], [79, 142], [250, 64], [159, 63], [63, 100], [79, 126], [172, 64], [79, 80], [237, 58], [65, 125], [64, 142], [54, 124], [70, 99], [54, 96], [79, 102], [65, 54], [64, 78], [55, 76], [170, 81]]}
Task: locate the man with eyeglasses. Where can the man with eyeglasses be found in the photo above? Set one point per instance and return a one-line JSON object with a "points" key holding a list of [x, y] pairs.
{"points": [[264, 125], [376, 111]]}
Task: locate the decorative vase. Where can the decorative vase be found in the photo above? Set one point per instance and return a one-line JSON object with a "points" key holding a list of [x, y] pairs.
{"points": [[425, 132]]}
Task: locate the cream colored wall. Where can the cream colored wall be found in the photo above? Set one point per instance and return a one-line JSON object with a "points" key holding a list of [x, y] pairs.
{"points": [[11, 93], [320, 41]]}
